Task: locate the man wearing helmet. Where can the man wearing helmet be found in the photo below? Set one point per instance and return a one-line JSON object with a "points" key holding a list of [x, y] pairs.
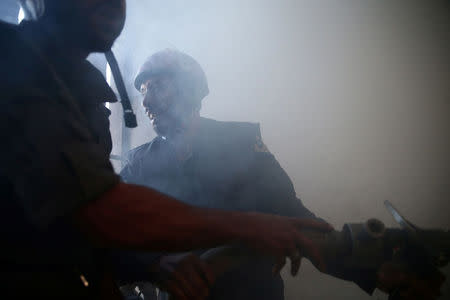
{"points": [[206, 163], [214, 164], [64, 207]]}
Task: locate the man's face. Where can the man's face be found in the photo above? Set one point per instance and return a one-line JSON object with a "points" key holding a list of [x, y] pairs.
{"points": [[169, 114], [94, 22]]}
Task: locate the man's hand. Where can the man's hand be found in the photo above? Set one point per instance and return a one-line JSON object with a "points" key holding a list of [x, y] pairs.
{"points": [[184, 276], [392, 278], [282, 237]]}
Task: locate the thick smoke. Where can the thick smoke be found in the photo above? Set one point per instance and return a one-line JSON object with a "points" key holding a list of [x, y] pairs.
{"points": [[353, 99]]}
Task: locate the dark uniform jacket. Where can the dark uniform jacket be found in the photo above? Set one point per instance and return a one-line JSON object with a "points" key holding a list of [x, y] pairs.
{"points": [[230, 168], [54, 158]]}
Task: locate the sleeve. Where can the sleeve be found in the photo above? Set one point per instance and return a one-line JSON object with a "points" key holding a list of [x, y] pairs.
{"points": [[277, 193], [267, 186], [51, 160]]}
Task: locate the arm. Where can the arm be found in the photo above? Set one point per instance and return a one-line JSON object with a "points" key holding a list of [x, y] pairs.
{"points": [[134, 217], [273, 188]]}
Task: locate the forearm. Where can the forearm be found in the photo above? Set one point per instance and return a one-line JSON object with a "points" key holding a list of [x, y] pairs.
{"points": [[138, 218]]}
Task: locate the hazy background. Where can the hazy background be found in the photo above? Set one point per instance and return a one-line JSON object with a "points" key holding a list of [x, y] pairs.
{"points": [[353, 98]]}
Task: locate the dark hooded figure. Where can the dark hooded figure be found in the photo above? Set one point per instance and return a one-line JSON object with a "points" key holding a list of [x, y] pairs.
{"points": [[212, 164], [63, 207]]}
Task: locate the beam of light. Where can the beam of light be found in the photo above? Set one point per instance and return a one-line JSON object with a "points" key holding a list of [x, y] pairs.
{"points": [[109, 81], [20, 16]]}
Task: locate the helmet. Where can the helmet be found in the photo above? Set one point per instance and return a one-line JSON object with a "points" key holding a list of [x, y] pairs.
{"points": [[32, 9], [181, 65]]}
